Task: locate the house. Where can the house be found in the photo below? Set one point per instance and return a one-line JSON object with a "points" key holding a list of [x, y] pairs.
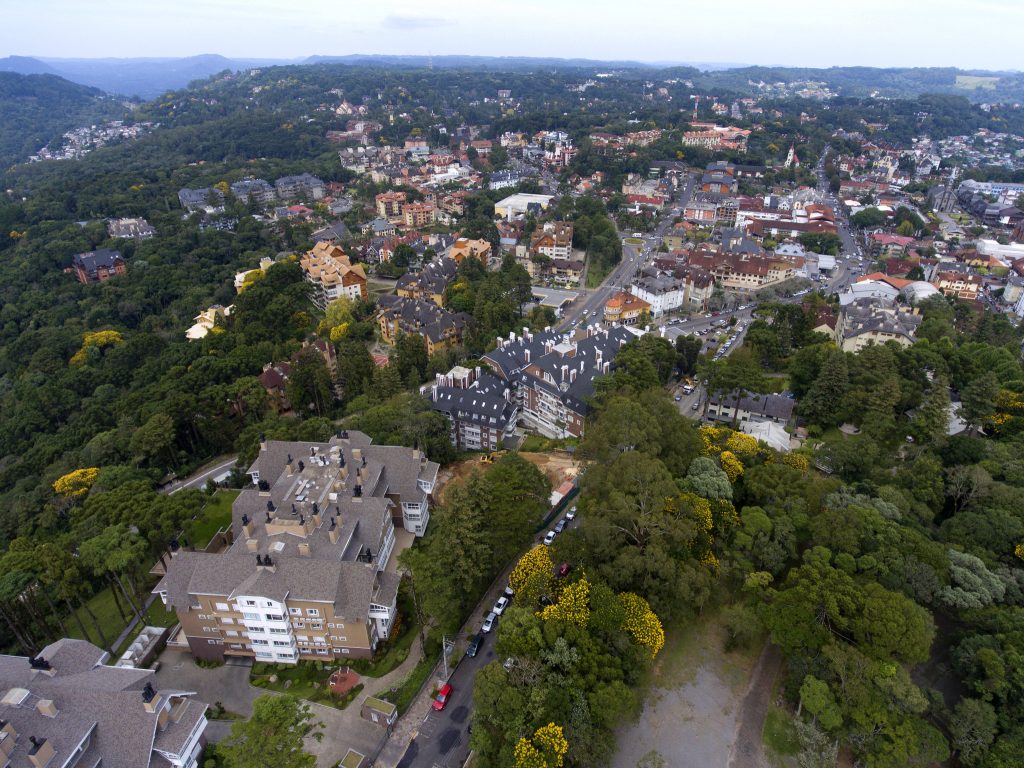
{"points": [[97, 266], [958, 284], [332, 233], [207, 199], [305, 577], [625, 308], [242, 278], [875, 321], [67, 707], [305, 185], [138, 229], [479, 407], [553, 240], [712, 136], [744, 406], [389, 205], [250, 190], [206, 320], [884, 244], [438, 327], [477, 249], [565, 272], [328, 269], [274, 378], [380, 227], [698, 284], [552, 375], [430, 283]]}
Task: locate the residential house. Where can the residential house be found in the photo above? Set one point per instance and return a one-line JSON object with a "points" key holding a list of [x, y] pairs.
{"points": [[959, 284], [306, 576], [66, 707], [740, 407], [430, 283], [659, 290], [241, 278], [328, 269], [334, 232], [875, 321], [712, 136], [625, 308], [274, 377], [138, 229], [380, 227], [438, 327], [206, 199], [479, 407], [206, 320], [97, 266], [477, 249], [564, 272], [882, 244]]}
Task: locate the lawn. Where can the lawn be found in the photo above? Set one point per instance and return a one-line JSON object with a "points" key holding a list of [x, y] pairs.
{"points": [[396, 650], [596, 274], [974, 82], [110, 621], [215, 516], [306, 680], [779, 734], [406, 691]]}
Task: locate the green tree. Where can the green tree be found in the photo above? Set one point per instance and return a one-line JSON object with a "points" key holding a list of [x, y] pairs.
{"points": [[822, 401], [309, 383], [272, 737], [978, 399], [973, 726], [819, 701], [154, 440]]}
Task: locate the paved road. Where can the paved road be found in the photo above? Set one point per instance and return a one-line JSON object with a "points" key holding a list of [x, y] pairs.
{"points": [[199, 479]]}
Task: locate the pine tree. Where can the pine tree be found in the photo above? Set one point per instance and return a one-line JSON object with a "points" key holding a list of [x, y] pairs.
{"points": [[821, 405]]}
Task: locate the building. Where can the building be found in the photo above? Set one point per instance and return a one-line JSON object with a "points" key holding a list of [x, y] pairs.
{"points": [[305, 576], [430, 283], [274, 378], [741, 407], [553, 240], [520, 204], [67, 708], [552, 375], [477, 249], [625, 308], [418, 214], [712, 136], [479, 407], [305, 185], [438, 327], [251, 190], [206, 199], [206, 320], [389, 205], [660, 291], [698, 284], [138, 229], [328, 269], [241, 278], [97, 266], [564, 272], [875, 321], [958, 284]]}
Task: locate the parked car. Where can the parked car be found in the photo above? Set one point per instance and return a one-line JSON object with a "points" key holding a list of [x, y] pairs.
{"points": [[500, 606], [571, 514], [549, 538], [678, 398], [475, 641], [488, 624], [563, 569], [560, 526], [442, 696], [695, 406], [509, 592], [545, 601]]}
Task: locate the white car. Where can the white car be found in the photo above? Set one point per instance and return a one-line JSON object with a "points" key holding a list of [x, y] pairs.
{"points": [[571, 514], [500, 606], [488, 624], [549, 539]]}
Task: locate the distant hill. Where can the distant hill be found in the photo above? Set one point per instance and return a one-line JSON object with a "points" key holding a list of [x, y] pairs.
{"points": [[36, 109], [483, 62], [26, 65]]}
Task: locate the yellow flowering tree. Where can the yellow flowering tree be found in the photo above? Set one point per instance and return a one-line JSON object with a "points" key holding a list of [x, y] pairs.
{"points": [[642, 623], [95, 340], [733, 466], [77, 483], [796, 461], [699, 506], [1019, 551], [547, 748], [573, 605], [533, 573], [710, 436], [742, 444]]}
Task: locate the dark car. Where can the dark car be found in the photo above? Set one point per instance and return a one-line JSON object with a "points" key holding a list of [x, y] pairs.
{"points": [[560, 526], [545, 601], [475, 641]]}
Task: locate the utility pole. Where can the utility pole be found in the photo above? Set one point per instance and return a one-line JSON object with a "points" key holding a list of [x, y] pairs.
{"points": [[447, 646]]}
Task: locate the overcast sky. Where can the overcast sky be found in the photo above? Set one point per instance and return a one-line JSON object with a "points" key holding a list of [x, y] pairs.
{"points": [[972, 34]]}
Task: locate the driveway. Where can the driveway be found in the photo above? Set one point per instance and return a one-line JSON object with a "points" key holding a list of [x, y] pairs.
{"points": [[228, 684]]}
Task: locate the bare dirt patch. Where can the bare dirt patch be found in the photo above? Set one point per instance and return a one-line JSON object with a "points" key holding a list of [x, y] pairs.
{"points": [[557, 466]]}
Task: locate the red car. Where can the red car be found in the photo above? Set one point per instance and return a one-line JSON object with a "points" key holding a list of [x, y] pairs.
{"points": [[442, 696]]}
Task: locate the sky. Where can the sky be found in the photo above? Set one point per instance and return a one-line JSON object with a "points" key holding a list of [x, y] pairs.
{"points": [[982, 34]]}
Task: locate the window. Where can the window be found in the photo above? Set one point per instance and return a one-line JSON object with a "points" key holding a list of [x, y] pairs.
{"points": [[321, 651], [267, 604], [227, 621], [282, 643], [278, 631], [222, 607], [302, 638], [231, 633], [251, 616], [250, 602], [299, 624], [341, 639], [316, 625], [275, 617], [312, 612], [295, 611], [258, 641], [344, 650]]}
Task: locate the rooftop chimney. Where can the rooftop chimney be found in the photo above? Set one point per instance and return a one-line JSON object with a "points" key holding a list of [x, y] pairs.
{"points": [[46, 707], [263, 442], [40, 753], [150, 699]]}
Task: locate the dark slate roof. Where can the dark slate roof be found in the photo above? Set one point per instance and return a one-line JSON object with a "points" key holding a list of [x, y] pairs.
{"points": [[770, 406], [433, 278], [422, 317], [512, 355], [482, 401], [94, 260]]}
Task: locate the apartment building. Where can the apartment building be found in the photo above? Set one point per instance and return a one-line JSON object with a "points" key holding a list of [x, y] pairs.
{"points": [[466, 248], [479, 407], [438, 327], [660, 291], [552, 375], [305, 576], [958, 284], [389, 205], [625, 308], [250, 190], [304, 185], [67, 708], [328, 269], [553, 240], [744, 407], [97, 266], [867, 321], [137, 229], [418, 214], [430, 283]]}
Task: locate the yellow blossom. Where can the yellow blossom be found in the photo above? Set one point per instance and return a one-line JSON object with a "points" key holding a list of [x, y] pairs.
{"points": [[742, 444], [547, 748], [76, 483], [573, 605], [797, 461], [533, 573], [733, 467], [642, 623], [98, 340]]}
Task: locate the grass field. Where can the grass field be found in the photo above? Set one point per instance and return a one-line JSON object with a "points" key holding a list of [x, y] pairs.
{"points": [[779, 735], [110, 621], [215, 515], [974, 82]]}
